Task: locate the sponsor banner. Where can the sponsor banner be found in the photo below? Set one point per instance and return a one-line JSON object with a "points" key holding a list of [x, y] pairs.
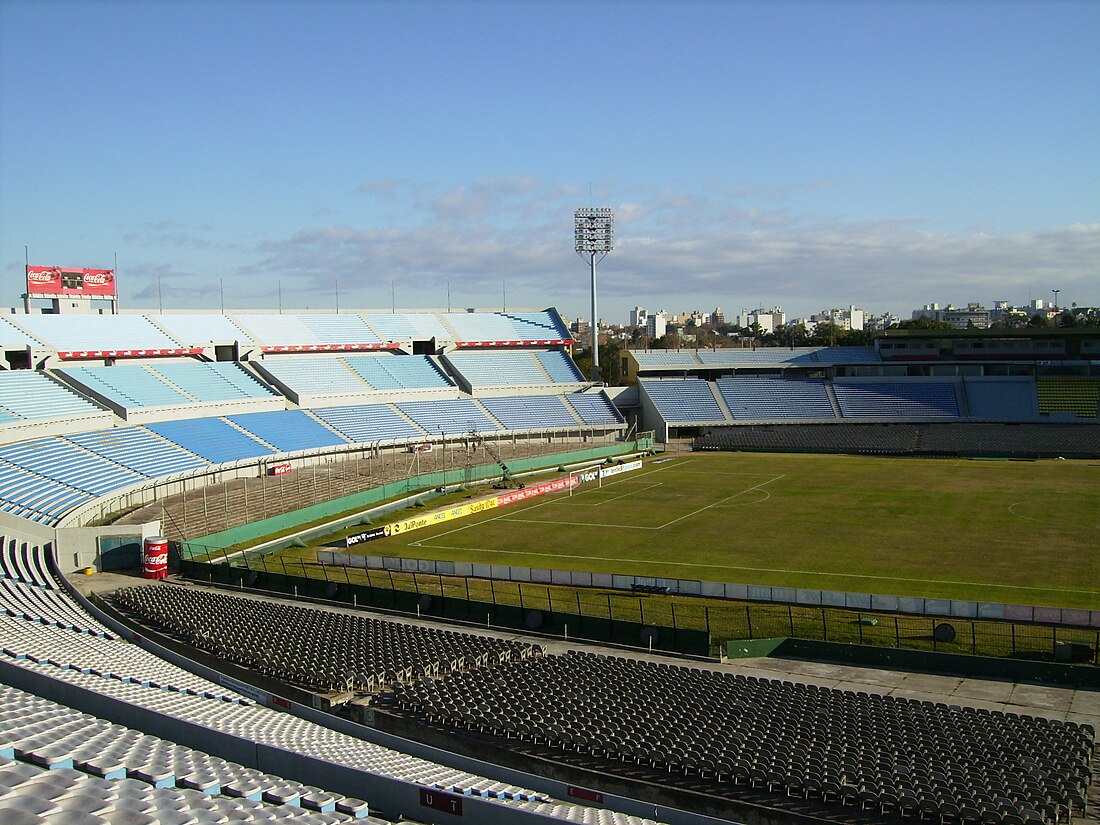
{"points": [[534, 490], [60, 280], [585, 794], [281, 469], [429, 519], [366, 535], [68, 355], [607, 472], [327, 347]]}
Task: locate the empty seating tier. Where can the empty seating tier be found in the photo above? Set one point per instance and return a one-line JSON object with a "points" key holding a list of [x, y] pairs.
{"points": [[897, 400], [595, 409], [319, 649], [449, 417], [66, 463], [288, 430], [688, 399], [139, 450], [130, 386], [209, 382], [31, 395], [211, 438], [833, 746], [766, 399], [494, 369], [398, 372], [560, 367], [530, 412], [83, 333], [1079, 396], [369, 423]]}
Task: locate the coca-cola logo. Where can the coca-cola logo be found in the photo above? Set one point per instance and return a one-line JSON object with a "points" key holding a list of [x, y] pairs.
{"points": [[41, 277], [96, 278]]}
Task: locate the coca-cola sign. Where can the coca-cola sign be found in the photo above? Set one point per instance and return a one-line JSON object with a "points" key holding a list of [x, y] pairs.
{"points": [[60, 280]]}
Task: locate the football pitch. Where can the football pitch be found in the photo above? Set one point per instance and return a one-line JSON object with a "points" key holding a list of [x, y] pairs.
{"points": [[1000, 531]]}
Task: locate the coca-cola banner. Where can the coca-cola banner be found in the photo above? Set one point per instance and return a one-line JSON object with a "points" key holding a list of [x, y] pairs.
{"points": [[59, 280]]}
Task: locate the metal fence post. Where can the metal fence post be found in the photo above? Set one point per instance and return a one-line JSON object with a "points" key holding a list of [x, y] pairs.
{"points": [[748, 619]]}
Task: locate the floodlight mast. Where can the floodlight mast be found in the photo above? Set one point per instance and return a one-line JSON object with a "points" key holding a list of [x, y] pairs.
{"points": [[594, 233]]}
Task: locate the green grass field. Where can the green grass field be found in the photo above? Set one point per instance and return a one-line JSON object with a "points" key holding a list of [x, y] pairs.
{"points": [[1018, 532]]}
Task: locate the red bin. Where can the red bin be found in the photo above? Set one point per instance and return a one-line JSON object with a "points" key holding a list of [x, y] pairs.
{"points": [[154, 558]]}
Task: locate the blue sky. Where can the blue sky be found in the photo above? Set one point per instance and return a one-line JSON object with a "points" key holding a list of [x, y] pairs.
{"points": [[806, 154]]}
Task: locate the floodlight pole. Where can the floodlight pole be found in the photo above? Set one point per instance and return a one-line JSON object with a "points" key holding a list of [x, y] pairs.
{"points": [[593, 231]]}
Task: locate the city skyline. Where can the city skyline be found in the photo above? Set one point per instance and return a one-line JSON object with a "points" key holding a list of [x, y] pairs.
{"points": [[810, 155]]}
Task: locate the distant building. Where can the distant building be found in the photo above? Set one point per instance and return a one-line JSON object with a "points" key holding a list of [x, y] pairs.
{"points": [[850, 318], [638, 317], [717, 318], [767, 319], [657, 324], [973, 316]]}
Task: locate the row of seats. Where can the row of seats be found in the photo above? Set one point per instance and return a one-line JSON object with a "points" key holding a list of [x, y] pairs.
{"points": [[828, 745], [161, 331], [77, 749], [355, 374], [315, 648], [946, 438], [520, 368], [737, 358], [691, 400], [60, 765], [171, 383]]}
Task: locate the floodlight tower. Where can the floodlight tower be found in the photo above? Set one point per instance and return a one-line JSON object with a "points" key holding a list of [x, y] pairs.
{"points": [[593, 230]]}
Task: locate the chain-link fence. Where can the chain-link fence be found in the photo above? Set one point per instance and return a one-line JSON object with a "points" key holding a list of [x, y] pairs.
{"points": [[722, 620]]}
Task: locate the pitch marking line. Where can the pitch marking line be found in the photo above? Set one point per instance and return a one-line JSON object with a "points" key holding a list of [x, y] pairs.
{"points": [[613, 498], [751, 569], [1012, 509]]}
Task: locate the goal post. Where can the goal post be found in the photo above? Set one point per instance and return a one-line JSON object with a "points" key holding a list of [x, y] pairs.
{"points": [[585, 475]]}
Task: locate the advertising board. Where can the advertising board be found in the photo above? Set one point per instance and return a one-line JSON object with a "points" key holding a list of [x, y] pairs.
{"points": [[60, 280]]}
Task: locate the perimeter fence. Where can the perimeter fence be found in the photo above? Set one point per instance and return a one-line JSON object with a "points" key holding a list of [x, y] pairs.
{"points": [[565, 610]]}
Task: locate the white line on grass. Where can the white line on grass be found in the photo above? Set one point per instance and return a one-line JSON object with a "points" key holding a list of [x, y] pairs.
{"points": [[613, 498], [1012, 509]]}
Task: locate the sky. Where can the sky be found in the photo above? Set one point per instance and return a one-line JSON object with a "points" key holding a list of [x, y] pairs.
{"points": [[422, 155]]}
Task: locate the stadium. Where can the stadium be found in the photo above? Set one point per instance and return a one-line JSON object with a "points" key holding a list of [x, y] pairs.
{"points": [[417, 568]]}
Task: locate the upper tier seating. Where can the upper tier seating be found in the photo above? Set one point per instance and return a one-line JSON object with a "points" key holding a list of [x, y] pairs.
{"points": [[139, 450], [505, 326], [408, 326], [310, 374], [369, 423], [764, 355], [200, 329], [897, 400], [13, 336], [594, 409], [32, 395], [752, 398], [97, 332], [448, 416], [530, 412], [667, 358], [211, 382], [305, 330], [501, 368], [211, 438], [287, 430], [537, 326], [687, 399]]}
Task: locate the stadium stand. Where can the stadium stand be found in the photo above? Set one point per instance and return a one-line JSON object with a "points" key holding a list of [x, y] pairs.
{"points": [[595, 409], [775, 398], [137, 449], [687, 399], [74, 767], [370, 423], [12, 335], [208, 382], [897, 400], [560, 367], [1078, 396], [397, 372], [287, 430], [305, 330], [825, 438], [80, 333], [666, 358], [129, 386], [29, 395], [66, 463], [837, 747], [448, 416], [316, 648], [493, 369], [407, 326], [503, 326], [201, 328], [530, 412], [210, 438]]}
